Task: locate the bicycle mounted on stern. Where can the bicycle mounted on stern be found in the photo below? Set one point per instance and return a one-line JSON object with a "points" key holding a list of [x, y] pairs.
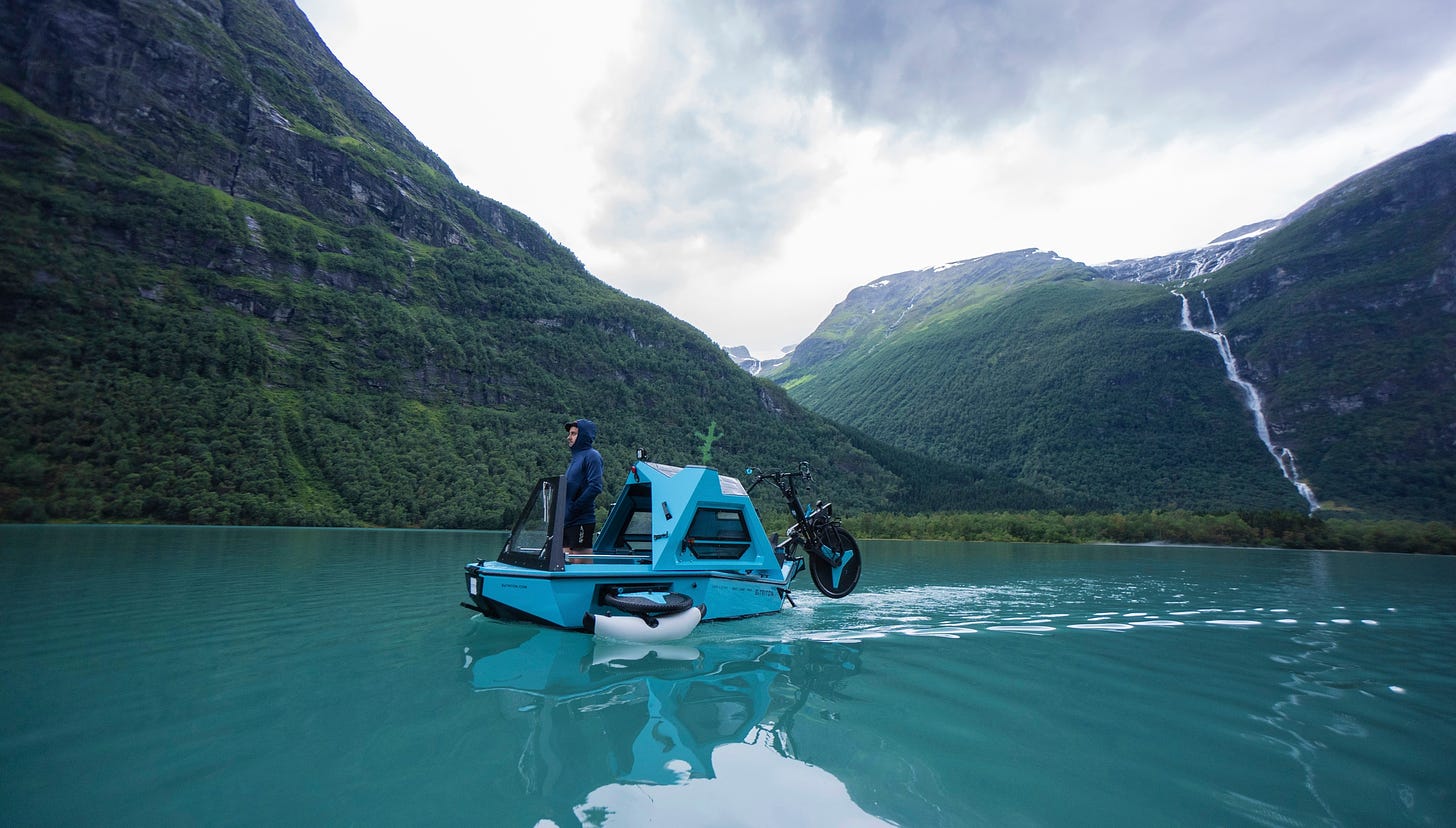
{"points": [[834, 558]]}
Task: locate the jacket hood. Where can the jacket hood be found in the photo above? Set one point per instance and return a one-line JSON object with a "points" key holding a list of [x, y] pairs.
{"points": [[586, 434]]}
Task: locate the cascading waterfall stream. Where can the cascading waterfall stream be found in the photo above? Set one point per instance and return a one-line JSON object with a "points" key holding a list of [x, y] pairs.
{"points": [[1283, 456]]}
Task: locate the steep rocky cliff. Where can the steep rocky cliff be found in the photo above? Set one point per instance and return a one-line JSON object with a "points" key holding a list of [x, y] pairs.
{"points": [[246, 98]]}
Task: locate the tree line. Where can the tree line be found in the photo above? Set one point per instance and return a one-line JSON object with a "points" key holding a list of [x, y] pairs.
{"points": [[1279, 529]]}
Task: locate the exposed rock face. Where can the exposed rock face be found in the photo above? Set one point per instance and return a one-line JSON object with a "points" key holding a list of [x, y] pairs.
{"points": [[209, 91], [1177, 267]]}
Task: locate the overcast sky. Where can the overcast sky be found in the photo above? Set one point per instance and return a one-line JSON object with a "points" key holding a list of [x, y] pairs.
{"points": [[746, 164]]}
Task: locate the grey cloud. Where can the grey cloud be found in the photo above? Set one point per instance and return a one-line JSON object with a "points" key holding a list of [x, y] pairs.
{"points": [[961, 66], [914, 65], [685, 175], [710, 147], [701, 151]]}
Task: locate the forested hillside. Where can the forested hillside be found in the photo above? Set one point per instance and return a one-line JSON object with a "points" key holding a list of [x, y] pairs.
{"points": [[235, 289], [1080, 382], [1067, 382], [1345, 317]]}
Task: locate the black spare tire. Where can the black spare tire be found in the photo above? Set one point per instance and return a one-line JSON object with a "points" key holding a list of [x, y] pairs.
{"points": [[644, 604]]}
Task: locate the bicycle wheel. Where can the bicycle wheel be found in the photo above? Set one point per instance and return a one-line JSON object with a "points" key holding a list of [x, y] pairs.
{"points": [[836, 582]]}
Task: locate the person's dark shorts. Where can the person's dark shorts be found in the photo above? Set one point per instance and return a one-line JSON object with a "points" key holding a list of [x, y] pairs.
{"points": [[579, 537]]}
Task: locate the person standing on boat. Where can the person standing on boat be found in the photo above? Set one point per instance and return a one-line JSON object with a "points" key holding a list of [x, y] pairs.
{"points": [[583, 484]]}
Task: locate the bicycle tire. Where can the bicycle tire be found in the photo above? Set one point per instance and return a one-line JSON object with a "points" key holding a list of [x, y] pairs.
{"points": [[823, 574]]}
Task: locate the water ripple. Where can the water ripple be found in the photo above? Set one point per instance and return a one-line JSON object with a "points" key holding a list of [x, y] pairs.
{"points": [[948, 611]]}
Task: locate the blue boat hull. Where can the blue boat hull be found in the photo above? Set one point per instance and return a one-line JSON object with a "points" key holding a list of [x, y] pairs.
{"points": [[565, 599]]}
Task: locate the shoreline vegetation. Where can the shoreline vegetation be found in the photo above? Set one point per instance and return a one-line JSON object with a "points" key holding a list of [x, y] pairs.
{"points": [[1270, 530], [1275, 530]]}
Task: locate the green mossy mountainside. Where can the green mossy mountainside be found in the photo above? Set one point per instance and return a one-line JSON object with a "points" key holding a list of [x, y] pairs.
{"points": [[1345, 318], [235, 289], [1082, 385], [1070, 383]]}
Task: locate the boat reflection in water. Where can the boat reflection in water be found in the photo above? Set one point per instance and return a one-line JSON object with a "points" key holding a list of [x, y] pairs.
{"points": [[597, 728]]}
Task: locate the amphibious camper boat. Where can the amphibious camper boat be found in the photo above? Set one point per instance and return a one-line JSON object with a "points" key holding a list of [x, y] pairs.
{"points": [[680, 545]]}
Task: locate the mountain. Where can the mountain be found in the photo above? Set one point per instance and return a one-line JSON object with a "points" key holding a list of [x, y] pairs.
{"points": [[912, 300], [1189, 264], [745, 359], [1345, 318], [235, 289], [1046, 373], [1087, 382]]}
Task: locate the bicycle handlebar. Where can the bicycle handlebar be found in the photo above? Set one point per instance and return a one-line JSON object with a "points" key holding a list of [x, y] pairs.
{"points": [[779, 476]]}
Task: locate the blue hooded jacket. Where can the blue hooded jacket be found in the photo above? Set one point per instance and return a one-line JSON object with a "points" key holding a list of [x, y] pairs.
{"points": [[583, 475]]}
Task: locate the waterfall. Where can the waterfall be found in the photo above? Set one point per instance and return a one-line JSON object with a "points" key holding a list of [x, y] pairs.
{"points": [[1252, 401]]}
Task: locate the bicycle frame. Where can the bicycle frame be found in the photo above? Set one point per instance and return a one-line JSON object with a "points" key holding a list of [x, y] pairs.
{"points": [[807, 524], [834, 558]]}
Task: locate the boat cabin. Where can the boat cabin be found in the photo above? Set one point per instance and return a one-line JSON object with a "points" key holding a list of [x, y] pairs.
{"points": [[670, 518]]}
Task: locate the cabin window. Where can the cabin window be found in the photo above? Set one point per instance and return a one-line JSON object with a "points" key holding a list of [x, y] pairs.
{"points": [[638, 532], [633, 532], [717, 533]]}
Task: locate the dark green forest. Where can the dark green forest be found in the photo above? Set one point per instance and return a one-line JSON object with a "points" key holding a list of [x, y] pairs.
{"points": [[1347, 313], [1284, 530], [1077, 386]]}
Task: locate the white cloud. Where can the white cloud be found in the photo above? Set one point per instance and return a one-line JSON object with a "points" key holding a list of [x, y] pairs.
{"points": [[745, 165]]}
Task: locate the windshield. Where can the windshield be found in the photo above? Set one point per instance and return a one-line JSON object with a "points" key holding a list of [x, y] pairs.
{"points": [[535, 540]]}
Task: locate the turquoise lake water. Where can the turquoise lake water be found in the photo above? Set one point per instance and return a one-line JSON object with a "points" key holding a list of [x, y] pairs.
{"points": [[219, 676]]}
